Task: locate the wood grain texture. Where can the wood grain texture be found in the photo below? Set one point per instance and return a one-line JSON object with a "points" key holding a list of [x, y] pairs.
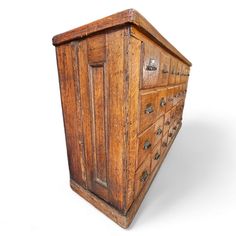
{"points": [[71, 112], [123, 92], [129, 16], [134, 72], [124, 220]]}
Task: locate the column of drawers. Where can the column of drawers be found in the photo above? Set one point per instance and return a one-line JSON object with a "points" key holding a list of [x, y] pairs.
{"points": [[163, 87]]}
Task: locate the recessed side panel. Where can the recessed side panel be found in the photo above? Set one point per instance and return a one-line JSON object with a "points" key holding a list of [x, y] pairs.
{"points": [[101, 75], [98, 93]]}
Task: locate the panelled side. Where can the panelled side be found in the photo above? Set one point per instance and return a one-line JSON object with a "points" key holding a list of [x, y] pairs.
{"points": [[70, 100], [102, 80]]}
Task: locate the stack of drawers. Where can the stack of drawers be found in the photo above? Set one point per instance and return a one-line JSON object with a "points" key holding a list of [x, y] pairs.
{"points": [[123, 89], [163, 87]]}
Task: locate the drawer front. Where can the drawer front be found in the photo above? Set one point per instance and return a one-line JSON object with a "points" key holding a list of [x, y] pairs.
{"points": [[161, 101], [172, 115], [156, 155], [141, 176], [185, 74], [164, 69], [151, 65], [158, 130], [148, 110], [174, 127], [145, 145], [170, 134], [170, 98], [173, 69], [178, 72], [177, 94], [184, 89], [164, 143], [167, 122]]}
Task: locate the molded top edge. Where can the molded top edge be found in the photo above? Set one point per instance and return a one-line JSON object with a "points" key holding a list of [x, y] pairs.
{"points": [[130, 16]]}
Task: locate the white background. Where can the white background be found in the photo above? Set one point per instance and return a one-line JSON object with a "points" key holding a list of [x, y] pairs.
{"points": [[195, 191]]}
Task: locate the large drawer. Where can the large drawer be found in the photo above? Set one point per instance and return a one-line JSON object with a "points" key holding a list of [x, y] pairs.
{"points": [[156, 66]]}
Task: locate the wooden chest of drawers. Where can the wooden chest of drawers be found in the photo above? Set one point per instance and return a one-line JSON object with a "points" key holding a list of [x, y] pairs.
{"points": [[123, 88]]}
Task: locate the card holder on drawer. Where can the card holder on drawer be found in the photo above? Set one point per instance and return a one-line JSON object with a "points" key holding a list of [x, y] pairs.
{"points": [[141, 176]]}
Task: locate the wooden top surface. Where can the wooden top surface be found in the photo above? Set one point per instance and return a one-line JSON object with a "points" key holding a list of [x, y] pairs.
{"points": [[127, 17]]}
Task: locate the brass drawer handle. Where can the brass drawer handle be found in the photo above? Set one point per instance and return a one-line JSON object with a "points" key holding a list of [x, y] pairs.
{"points": [[165, 71], [177, 73], [151, 65], [147, 145], [159, 131], [164, 144], [162, 102], [144, 176], [149, 109], [157, 156], [167, 122]]}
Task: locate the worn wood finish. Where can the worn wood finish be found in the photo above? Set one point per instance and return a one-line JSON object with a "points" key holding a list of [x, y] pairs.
{"points": [[123, 88], [130, 16]]}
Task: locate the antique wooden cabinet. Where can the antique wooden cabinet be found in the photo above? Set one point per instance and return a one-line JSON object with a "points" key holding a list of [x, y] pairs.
{"points": [[123, 89]]}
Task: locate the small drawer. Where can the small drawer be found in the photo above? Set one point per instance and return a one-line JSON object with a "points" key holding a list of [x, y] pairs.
{"points": [[174, 127], [164, 144], [171, 134], [141, 176], [161, 101], [185, 74], [145, 145], [178, 123], [184, 89], [158, 130], [148, 110], [164, 68], [177, 94], [151, 66], [167, 122], [156, 156], [172, 115], [170, 98], [178, 72], [173, 69]]}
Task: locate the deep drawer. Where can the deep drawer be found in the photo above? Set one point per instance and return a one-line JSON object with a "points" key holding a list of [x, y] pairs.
{"points": [[142, 176], [156, 155]]}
